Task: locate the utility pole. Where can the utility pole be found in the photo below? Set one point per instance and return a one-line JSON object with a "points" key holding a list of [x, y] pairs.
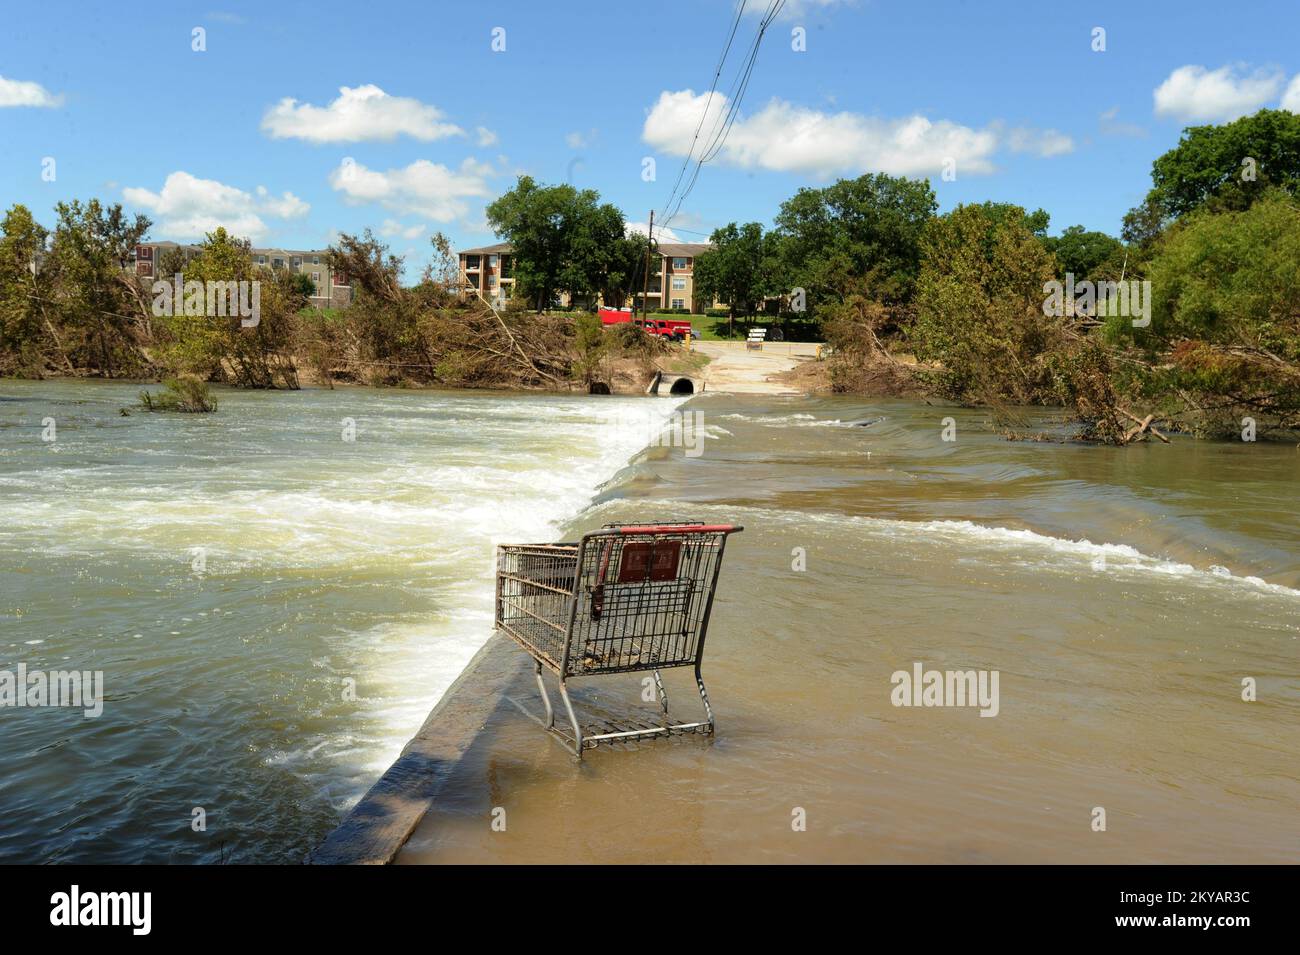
{"points": [[645, 284]]}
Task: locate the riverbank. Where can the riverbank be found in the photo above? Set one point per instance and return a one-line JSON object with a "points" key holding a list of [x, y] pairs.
{"points": [[1122, 594]]}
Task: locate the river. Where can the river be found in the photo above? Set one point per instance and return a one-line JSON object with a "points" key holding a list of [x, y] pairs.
{"points": [[275, 608], [1126, 598]]}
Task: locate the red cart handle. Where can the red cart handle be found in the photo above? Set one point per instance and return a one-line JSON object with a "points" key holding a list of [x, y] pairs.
{"points": [[679, 528]]}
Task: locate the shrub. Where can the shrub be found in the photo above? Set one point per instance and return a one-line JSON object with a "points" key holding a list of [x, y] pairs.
{"points": [[181, 394]]}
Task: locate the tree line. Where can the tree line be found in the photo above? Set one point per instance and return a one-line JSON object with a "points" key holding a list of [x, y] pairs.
{"points": [[954, 305], [1214, 349]]}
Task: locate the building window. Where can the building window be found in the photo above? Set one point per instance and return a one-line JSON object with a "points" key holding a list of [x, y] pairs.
{"points": [[679, 262], [261, 260], [315, 260], [679, 284], [277, 263], [492, 261], [144, 268], [492, 281], [679, 303], [340, 279], [471, 263], [144, 253], [315, 279], [296, 261]]}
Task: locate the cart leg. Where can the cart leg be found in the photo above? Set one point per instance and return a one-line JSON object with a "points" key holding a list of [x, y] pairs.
{"points": [[577, 730], [663, 696], [704, 695], [546, 697]]}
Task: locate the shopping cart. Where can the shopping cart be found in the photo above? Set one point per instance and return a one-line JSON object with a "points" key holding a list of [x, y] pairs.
{"points": [[625, 598]]}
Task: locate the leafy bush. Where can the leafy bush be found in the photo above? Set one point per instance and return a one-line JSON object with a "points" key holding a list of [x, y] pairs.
{"points": [[188, 395], [979, 307]]}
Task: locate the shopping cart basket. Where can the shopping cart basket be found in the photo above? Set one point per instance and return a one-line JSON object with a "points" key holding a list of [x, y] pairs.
{"points": [[625, 598]]}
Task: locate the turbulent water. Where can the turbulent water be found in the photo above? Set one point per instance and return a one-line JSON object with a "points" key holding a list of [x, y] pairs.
{"points": [[1127, 598], [274, 607]]}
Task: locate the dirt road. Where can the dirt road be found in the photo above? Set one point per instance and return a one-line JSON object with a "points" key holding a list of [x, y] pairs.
{"points": [[734, 368]]}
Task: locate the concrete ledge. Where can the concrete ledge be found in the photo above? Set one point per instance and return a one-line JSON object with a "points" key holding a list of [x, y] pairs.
{"points": [[379, 825]]}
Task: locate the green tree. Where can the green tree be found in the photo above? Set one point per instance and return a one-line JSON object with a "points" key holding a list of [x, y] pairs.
{"points": [[1225, 318], [1225, 167], [562, 239], [221, 347], [830, 240], [105, 315], [26, 330], [624, 274], [1085, 254], [979, 306], [738, 270]]}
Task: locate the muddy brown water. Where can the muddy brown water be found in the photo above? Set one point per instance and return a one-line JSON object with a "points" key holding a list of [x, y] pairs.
{"points": [[1121, 595]]}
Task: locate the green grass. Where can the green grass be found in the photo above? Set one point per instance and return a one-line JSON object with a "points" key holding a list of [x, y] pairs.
{"points": [[330, 314], [714, 329]]}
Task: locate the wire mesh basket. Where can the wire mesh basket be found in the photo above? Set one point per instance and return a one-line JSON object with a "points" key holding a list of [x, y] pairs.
{"points": [[625, 598]]}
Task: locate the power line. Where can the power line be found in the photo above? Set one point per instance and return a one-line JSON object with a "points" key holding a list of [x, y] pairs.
{"points": [[735, 25], [725, 120]]}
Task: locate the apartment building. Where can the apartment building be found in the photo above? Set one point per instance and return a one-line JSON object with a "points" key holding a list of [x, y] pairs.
{"points": [[488, 269], [332, 288], [677, 277]]}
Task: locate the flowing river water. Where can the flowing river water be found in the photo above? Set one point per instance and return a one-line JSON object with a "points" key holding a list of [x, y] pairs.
{"points": [[274, 608], [234, 575]]}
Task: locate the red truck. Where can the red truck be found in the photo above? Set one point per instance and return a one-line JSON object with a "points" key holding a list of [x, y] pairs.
{"points": [[663, 327]]}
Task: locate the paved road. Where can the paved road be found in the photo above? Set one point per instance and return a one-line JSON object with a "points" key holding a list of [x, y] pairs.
{"points": [[734, 368]]}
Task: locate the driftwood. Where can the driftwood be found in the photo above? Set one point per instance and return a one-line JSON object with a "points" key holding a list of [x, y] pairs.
{"points": [[1142, 426]]}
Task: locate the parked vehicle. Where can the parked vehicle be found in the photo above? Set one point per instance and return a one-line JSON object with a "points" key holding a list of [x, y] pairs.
{"points": [[663, 327]]}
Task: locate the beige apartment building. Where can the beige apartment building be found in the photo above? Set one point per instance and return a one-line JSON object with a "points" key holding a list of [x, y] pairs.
{"points": [[332, 288], [488, 270], [677, 277]]}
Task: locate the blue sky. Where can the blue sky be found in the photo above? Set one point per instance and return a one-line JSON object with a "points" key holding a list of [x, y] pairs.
{"points": [[433, 122]]}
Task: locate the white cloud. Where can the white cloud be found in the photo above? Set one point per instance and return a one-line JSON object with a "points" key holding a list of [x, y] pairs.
{"points": [[577, 140], [661, 234], [1291, 98], [1112, 125], [1041, 142], [359, 113], [392, 227], [788, 138], [1197, 94], [189, 207], [287, 206], [423, 188], [485, 136], [27, 93]]}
